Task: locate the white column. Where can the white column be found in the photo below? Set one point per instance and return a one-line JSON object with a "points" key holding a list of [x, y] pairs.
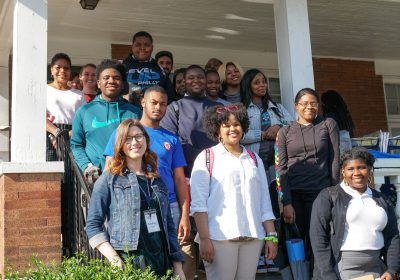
{"points": [[6, 18], [294, 49], [4, 123], [28, 113]]}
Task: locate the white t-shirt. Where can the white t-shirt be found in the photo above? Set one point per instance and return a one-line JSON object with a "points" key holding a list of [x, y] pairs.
{"points": [[365, 221], [62, 104], [236, 197]]}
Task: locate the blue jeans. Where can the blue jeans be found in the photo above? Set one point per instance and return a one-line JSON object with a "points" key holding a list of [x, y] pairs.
{"points": [[175, 213]]}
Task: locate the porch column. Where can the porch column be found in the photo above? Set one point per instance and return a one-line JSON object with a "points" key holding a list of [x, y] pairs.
{"points": [[28, 113], [294, 49], [30, 187], [6, 17]]}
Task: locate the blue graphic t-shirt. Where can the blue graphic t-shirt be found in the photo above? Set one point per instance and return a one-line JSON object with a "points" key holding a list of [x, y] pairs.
{"points": [[265, 120], [169, 152]]}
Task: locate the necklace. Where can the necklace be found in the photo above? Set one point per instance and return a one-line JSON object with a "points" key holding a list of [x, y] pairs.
{"points": [[235, 153]]}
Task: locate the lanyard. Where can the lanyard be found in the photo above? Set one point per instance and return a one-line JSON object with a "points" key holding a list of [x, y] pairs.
{"points": [[147, 194]]}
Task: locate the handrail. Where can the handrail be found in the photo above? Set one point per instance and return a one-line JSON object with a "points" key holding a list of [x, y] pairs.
{"points": [[75, 198]]}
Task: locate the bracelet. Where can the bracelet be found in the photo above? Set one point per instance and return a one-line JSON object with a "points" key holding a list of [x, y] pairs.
{"points": [[57, 132], [272, 233], [274, 239]]}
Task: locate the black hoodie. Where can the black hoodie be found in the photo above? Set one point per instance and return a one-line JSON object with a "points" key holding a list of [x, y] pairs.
{"points": [[308, 157], [146, 74]]}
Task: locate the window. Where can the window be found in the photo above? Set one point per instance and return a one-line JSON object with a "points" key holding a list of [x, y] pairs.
{"points": [[392, 92], [392, 96], [274, 89]]}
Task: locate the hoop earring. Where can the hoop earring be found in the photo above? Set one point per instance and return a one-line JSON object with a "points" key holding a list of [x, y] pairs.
{"points": [[371, 181]]}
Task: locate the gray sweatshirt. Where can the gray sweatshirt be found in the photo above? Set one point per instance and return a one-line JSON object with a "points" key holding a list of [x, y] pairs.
{"points": [[308, 157]]}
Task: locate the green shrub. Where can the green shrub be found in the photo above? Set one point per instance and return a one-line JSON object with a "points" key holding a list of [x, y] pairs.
{"points": [[80, 267]]}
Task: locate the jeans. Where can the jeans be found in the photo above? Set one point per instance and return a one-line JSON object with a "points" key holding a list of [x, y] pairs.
{"points": [[175, 213]]}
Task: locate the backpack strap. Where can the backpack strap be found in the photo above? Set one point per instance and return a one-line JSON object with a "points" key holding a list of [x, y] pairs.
{"points": [[209, 160], [253, 157]]}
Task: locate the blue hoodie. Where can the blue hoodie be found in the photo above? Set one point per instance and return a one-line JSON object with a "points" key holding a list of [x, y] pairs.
{"points": [[93, 125]]}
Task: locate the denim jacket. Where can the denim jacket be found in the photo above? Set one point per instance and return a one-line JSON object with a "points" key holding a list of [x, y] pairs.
{"points": [[252, 138], [116, 199]]}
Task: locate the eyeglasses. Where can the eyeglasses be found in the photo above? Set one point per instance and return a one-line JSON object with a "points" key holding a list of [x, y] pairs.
{"points": [[229, 108], [312, 104], [138, 138]]}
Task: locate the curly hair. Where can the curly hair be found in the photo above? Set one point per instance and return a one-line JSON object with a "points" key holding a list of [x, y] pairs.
{"points": [[113, 64], [215, 116], [118, 165], [357, 153]]}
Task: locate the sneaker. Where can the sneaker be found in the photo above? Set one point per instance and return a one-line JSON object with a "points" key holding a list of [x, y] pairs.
{"points": [[271, 267], [261, 268]]}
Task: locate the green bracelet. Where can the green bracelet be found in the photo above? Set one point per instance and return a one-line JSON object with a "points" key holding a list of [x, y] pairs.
{"points": [[274, 239]]}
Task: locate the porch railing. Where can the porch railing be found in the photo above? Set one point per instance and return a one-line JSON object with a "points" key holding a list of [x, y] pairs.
{"points": [[75, 198]]}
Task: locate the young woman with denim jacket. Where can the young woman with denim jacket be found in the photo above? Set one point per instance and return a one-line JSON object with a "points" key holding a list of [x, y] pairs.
{"points": [[266, 118], [134, 202]]}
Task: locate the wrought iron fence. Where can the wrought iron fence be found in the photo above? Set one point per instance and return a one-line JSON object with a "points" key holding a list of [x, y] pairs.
{"points": [[75, 198]]}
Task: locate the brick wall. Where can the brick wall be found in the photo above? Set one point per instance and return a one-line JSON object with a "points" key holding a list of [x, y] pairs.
{"points": [[31, 220], [120, 51], [360, 87]]}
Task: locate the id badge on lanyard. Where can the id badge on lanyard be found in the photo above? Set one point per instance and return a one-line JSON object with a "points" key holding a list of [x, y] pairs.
{"points": [[150, 215], [151, 220]]}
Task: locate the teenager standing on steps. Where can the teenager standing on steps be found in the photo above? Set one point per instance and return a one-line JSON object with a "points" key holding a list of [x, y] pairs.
{"points": [[230, 200], [171, 161], [308, 161]]}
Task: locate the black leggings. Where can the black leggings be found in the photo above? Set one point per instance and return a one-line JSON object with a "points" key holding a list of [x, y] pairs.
{"points": [[302, 202]]}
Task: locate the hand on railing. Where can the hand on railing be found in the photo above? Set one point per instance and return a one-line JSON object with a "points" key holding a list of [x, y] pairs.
{"points": [[91, 173], [53, 137]]}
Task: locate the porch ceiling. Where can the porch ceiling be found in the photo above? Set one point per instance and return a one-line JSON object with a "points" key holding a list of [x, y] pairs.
{"points": [[358, 28]]}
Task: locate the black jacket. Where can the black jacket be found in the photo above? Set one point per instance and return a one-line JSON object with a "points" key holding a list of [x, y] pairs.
{"points": [[327, 231], [146, 74]]}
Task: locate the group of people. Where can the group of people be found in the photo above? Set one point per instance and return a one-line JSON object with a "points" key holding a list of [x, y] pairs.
{"points": [[200, 167]]}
